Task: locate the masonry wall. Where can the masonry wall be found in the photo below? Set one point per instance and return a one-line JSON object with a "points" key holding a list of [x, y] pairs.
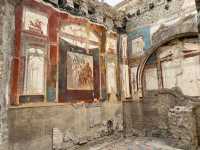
{"points": [[149, 117], [63, 126], [154, 11], [166, 114]]}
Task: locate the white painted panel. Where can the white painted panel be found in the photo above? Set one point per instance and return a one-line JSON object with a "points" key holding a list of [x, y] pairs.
{"points": [[35, 72], [111, 45], [189, 80], [137, 46], [111, 78], [125, 81], [184, 74], [151, 78], [169, 74], [124, 46]]}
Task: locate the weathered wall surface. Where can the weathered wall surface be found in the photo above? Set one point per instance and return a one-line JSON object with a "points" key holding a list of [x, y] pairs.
{"points": [[174, 26], [142, 13], [182, 123], [157, 23], [159, 115], [158, 30], [150, 115], [6, 47], [64, 126], [178, 62], [1, 104]]}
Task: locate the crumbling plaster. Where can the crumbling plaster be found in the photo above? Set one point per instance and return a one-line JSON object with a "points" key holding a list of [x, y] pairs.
{"points": [[165, 114], [7, 37]]}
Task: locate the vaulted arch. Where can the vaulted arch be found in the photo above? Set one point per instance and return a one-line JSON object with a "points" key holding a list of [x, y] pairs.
{"points": [[154, 49]]}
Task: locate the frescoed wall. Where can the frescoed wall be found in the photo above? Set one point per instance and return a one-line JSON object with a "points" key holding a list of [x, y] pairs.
{"points": [[182, 67], [111, 77], [151, 79], [137, 47], [79, 71], [144, 35], [125, 80], [34, 83], [175, 65], [32, 78], [35, 21], [74, 64], [111, 44], [111, 64], [79, 35], [38, 42], [79, 61], [138, 41], [123, 45]]}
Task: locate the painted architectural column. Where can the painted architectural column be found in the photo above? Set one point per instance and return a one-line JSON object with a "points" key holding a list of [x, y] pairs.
{"points": [[111, 63], [127, 82], [52, 78]]}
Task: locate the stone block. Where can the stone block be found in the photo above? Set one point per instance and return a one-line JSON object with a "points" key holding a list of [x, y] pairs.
{"points": [[57, 139]]}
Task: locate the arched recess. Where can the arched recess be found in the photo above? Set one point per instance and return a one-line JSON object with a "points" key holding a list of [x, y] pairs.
{"points": [[151, 51]]}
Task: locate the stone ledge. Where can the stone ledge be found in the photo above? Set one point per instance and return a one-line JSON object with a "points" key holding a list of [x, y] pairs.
{"points": [[32, 105], [50, 104]]}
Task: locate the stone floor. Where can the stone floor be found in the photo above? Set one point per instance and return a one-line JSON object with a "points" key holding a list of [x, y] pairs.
{"points": [[132, 144]]}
